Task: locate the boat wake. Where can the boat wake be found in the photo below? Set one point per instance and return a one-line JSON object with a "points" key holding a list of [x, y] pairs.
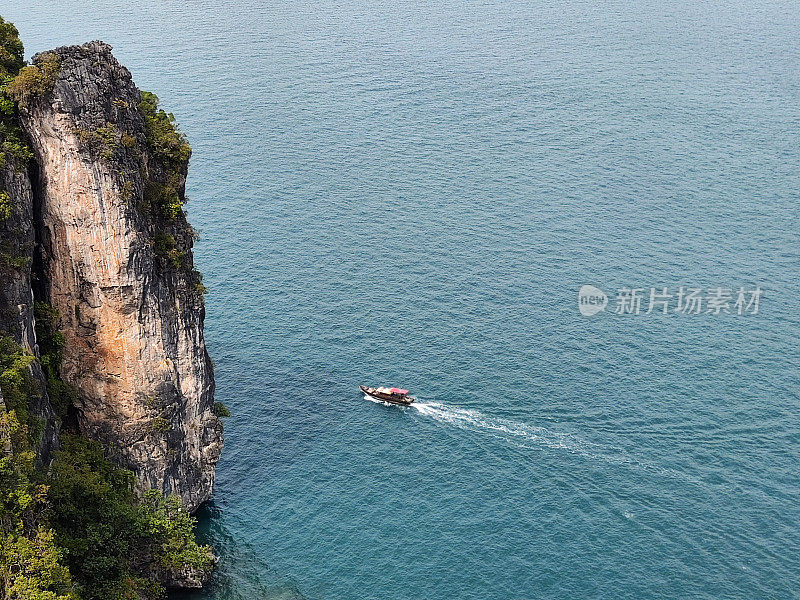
{"points": [[464, 418], [525, 435]]}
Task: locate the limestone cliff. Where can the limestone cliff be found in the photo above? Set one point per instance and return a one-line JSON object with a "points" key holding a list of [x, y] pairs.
{"points": [[17, 240], [116, 262], [16, 253]]}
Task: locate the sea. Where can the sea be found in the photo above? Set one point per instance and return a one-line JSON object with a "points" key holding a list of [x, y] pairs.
{"points": [[415, 193]]}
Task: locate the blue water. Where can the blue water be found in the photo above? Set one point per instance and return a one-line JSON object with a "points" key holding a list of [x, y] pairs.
{"points": [[412, 193]]}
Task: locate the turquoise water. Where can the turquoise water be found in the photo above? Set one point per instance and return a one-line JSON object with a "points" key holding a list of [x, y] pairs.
{"points": [[412, 193]]}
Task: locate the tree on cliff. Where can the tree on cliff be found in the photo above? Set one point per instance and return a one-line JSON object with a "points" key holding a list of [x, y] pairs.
{"points": [[31, 564]]}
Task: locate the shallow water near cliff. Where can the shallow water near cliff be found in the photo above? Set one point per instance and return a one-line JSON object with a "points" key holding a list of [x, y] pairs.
{"points": [[412, 194]]}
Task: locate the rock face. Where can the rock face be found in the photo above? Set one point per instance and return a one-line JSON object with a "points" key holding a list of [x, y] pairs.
{"points": [[16, 295], [17, 240], [116, 262]]}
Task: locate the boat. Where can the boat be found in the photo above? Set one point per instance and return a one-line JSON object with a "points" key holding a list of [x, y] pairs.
{"points": [[387, 394]]}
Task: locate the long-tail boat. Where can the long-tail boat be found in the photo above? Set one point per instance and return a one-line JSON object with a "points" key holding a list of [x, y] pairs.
{"points": [[387, 394]]}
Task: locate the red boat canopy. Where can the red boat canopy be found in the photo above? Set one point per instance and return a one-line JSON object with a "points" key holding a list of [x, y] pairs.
{"points": [[398, 391]]}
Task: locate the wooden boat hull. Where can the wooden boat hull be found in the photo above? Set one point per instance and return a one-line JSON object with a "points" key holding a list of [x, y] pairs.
{"points": [[391, 398]]}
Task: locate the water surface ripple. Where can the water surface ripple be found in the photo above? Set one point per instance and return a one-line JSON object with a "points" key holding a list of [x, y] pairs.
{"points": [[411, 193]]}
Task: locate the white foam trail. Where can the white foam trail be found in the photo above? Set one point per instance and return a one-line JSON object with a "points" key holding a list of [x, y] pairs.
{"points": [[525, 435], [464, 418]]}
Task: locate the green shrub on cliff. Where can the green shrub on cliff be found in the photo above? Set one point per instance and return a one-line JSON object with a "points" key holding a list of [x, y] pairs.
{"points": [[164, 198], [22, 500], [31, 564], [166, 521], [30, 568], [92, 511], [51, 346], [197, 281], [10, 258], [11, 61], [159, 425], [16, 382], [101, 141], [12, 143], [6, 208], [163, 138], [49, 338], [11, 49], [169, 146], [35, 80], [166, 248], [111, 537], [221, 410]]}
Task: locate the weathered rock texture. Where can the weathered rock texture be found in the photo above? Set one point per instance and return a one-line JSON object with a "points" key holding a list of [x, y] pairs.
{"points": [[16, 254], [17, 240], [131, 315]]}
